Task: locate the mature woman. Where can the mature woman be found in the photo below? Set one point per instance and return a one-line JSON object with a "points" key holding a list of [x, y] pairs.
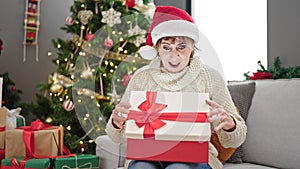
{"points": [[175, 68]]}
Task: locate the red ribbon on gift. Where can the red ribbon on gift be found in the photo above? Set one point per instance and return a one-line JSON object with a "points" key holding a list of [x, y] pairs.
{"points": [[15, 164], [2, 129], [151, 118]]}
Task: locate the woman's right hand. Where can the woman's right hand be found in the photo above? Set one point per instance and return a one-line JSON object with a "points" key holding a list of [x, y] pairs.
{"points": [[120, 114]]}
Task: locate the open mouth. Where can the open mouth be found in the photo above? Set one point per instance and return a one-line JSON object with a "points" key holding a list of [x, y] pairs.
{"points": [[174, 64]]}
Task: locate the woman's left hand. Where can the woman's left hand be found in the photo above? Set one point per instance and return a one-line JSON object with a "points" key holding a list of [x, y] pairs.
{"points": [[217, 114]]}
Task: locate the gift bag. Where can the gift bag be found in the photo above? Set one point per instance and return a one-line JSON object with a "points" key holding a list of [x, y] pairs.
{"points": [[14, 119]]}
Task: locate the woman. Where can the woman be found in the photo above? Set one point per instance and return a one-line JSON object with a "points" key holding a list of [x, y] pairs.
{"points": [[173, 34]]}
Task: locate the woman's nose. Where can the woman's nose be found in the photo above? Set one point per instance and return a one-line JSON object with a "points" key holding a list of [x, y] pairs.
{"points": [[175, 52]]}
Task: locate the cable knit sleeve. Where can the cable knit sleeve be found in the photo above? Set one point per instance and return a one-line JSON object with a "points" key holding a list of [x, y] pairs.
{"points": [[135, 83], [220, 94]]}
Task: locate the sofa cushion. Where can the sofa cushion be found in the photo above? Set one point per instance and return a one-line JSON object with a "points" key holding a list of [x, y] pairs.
{"points": [[241, 93], [273, 124], [111, 155], [245, 166]]}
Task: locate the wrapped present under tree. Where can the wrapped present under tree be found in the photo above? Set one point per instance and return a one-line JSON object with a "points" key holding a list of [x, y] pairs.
{"points": [[79, 161], [14, 163], [38, 140]]}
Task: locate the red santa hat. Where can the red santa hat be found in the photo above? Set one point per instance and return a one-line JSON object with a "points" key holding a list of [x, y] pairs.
{"points": [[168, 21]]}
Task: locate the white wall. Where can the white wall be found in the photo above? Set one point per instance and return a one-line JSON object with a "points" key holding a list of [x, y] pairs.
{"points": [[237, 29]]}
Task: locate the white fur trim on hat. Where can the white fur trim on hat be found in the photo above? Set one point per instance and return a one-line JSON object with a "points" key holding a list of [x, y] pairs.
{"points": [[148, 52], [175, 28]]}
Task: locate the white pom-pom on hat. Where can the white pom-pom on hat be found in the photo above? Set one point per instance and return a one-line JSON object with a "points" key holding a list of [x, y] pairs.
{"points": [[168, 21], [148, 52]]}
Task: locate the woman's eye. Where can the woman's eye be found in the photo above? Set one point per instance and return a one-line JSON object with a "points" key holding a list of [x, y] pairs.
{"points": [[181, 47], [166, 47]]}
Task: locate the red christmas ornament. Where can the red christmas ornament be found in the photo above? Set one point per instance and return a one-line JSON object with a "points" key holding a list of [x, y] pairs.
{"points": [[14, 88], [69, 20], [68, 105], [130, 3], [3, 102], [108, 43], [126, 79], [89, 36]]}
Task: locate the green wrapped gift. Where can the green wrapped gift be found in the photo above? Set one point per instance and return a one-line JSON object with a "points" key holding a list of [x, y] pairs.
{"points": [[40, 163], [82, 161], [20, 121]]}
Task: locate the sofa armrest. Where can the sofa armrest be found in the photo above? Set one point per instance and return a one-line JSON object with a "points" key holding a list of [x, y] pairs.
{"points": [[111, 155]]}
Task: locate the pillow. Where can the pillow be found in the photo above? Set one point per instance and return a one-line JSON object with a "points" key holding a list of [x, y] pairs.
{"points": [[241, 93], [223, 153]]}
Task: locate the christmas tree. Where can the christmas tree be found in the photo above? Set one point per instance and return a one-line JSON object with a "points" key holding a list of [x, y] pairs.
{"points": [[93, 67]]}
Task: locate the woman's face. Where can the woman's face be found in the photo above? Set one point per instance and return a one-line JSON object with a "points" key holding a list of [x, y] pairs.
{"points": [[175, 53]]}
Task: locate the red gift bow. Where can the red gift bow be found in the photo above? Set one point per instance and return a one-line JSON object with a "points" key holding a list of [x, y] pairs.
{"points": [[15, 164], [151, 118]]}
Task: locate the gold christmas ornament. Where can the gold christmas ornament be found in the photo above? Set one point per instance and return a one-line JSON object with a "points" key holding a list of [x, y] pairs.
{"points": [[63, 80], [148, 9], [84, 16], [57, 89]]}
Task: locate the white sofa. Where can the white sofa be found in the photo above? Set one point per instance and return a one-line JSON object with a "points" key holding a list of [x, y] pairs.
{"points": [[273, 138]]}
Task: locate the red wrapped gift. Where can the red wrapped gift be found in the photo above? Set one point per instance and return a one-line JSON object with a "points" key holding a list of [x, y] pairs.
{"points": [[168, 126], [36, 141]]}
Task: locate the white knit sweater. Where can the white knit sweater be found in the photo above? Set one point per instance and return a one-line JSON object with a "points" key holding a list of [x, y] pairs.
{"points": [[194, 78]]}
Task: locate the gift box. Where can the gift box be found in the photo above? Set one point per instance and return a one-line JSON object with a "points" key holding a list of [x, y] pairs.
{"points": [[78, 161], [168, 126], [2, 156], [38, 140], [2, 126], [20, 163], [14, 119]]}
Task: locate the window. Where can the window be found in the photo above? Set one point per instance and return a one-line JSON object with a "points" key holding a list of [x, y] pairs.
{"points": [[237, 30]]}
